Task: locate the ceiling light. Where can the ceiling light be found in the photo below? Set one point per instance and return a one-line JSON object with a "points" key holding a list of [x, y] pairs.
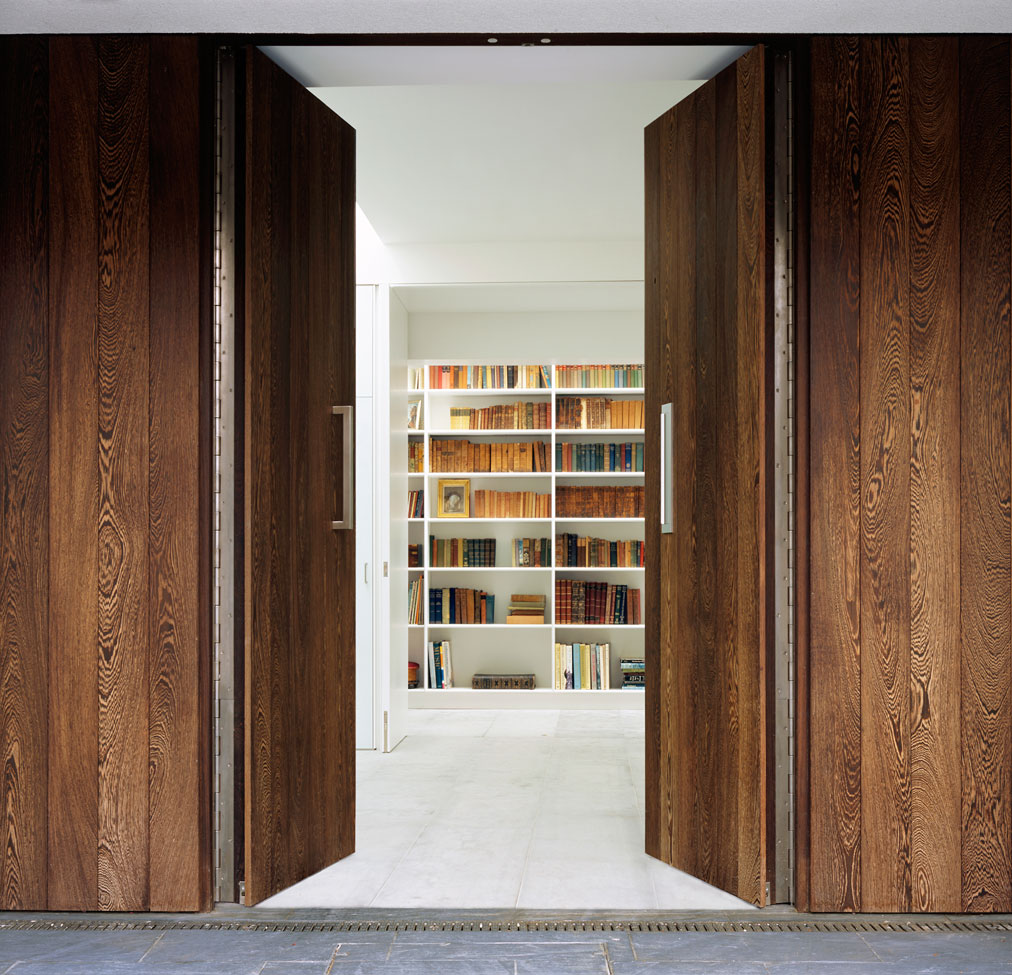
{"points": [[493, 40]]}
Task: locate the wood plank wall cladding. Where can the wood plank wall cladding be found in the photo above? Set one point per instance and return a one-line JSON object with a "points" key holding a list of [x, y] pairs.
{"points": [[708, 321], [910, 654], [299, 572], [104, 422]]}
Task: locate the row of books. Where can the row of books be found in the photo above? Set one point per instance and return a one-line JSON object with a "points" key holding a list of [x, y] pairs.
{"points": [[461, 552], [489, 377], [463, 456], [453, 605], [415, 589], [416, 504], [511, 504], [599, 457], [416, 457], [582, 667], [585, 551], [532, 551], [599, 501], [600, 376], [414, 556], [583, 601], [440, 664], [633, 674], [505, 416], [598, 413]]}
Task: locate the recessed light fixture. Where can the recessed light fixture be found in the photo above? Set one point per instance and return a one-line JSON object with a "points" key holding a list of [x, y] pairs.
{"points": [[493, 40], [546, 40]]}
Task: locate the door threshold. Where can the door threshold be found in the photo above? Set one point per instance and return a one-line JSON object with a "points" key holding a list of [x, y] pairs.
{"points": [[780, 918]]}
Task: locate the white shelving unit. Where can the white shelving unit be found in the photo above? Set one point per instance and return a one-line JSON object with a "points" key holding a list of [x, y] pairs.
{"points": [[498, 647]]}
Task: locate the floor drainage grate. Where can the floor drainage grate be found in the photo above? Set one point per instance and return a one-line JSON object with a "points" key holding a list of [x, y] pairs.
{"points": [[802, 924]]}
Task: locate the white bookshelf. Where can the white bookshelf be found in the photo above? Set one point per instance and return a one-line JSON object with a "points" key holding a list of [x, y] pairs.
{"points": [[499, 647]]}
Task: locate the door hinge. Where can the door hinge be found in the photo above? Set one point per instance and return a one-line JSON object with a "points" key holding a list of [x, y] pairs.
{"points": [[242, 891]]}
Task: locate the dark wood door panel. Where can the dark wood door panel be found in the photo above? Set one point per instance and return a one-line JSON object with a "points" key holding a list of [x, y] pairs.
{"points": [[299, 228], [707, 325]]}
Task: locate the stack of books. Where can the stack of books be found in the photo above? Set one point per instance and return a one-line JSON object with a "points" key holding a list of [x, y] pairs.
{"points": [[582, 667], [440, 667], [633, 674], [526, 608]]}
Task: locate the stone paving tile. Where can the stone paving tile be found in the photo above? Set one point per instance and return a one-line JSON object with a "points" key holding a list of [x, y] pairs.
{"points": [[690, 968], [983, 947], [76, 946], [476, 966], [910, 966], [747, 946], [453, 951], [243, 947]]}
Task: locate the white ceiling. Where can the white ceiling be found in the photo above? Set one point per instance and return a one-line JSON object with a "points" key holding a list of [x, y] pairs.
{"points": [[511, 144], [424, 16]]}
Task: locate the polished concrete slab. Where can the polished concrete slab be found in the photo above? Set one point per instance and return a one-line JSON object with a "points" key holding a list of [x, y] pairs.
{"points": [[495, 809]]}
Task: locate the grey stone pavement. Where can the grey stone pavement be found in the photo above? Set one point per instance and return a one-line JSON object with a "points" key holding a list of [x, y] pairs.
{"points": [[151, 951]]}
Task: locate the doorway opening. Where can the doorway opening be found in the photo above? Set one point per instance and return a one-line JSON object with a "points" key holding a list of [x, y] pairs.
{"points": [[501, 216]]}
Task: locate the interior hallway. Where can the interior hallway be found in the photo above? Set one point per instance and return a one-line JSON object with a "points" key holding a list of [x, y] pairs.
{"points": [[499, 809]]}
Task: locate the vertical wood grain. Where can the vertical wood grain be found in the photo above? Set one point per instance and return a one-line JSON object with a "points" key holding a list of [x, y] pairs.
{"points": [[683, 744], [753, 323], [986, 751], [24, 473], [300, 583], [73, 497], [709, 733], [175, 764], [934, 474], [123, 475], [725, 702], [885, 478], [835, 488]]}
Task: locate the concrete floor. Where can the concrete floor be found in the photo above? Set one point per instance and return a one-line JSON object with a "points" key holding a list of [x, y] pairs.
{"points": [[215, 952], [505, 809]]}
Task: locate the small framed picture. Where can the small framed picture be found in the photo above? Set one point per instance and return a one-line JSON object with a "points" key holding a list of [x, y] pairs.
{"points": [[415, 414], [454, 499]]}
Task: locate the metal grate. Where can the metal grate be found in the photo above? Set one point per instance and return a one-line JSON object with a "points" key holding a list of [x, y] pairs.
{"points": [[803, 924]]}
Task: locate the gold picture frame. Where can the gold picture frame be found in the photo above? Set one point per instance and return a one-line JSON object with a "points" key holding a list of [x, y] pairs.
{"points": [[454, 498]]}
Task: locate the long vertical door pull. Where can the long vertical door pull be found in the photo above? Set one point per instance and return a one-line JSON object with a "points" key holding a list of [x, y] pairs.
{"points": [[347, 520]]}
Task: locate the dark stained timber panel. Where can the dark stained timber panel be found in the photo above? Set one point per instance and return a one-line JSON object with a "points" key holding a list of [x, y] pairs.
{"points": [[835, 479], [910, 384], [299, 572], [178, 814], [73, 498], [885, 473], [24, 473], [985, 474], [123, 476], [934, 474], [706, 334], [104, 554]]}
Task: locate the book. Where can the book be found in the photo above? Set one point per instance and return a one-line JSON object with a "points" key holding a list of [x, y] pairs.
{"points": [[531, 552], [582, 666], [600, 501], [504, 416], [451, 456], [457, 606], [461, 552], [584, 601], [511, 504], [599, 457], [529, 619], [598, 413], [416, 504], [576, 551], [416, 456]]}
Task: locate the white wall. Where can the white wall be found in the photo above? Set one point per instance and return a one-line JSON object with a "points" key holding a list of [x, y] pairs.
{"points": [[604, 336]]}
